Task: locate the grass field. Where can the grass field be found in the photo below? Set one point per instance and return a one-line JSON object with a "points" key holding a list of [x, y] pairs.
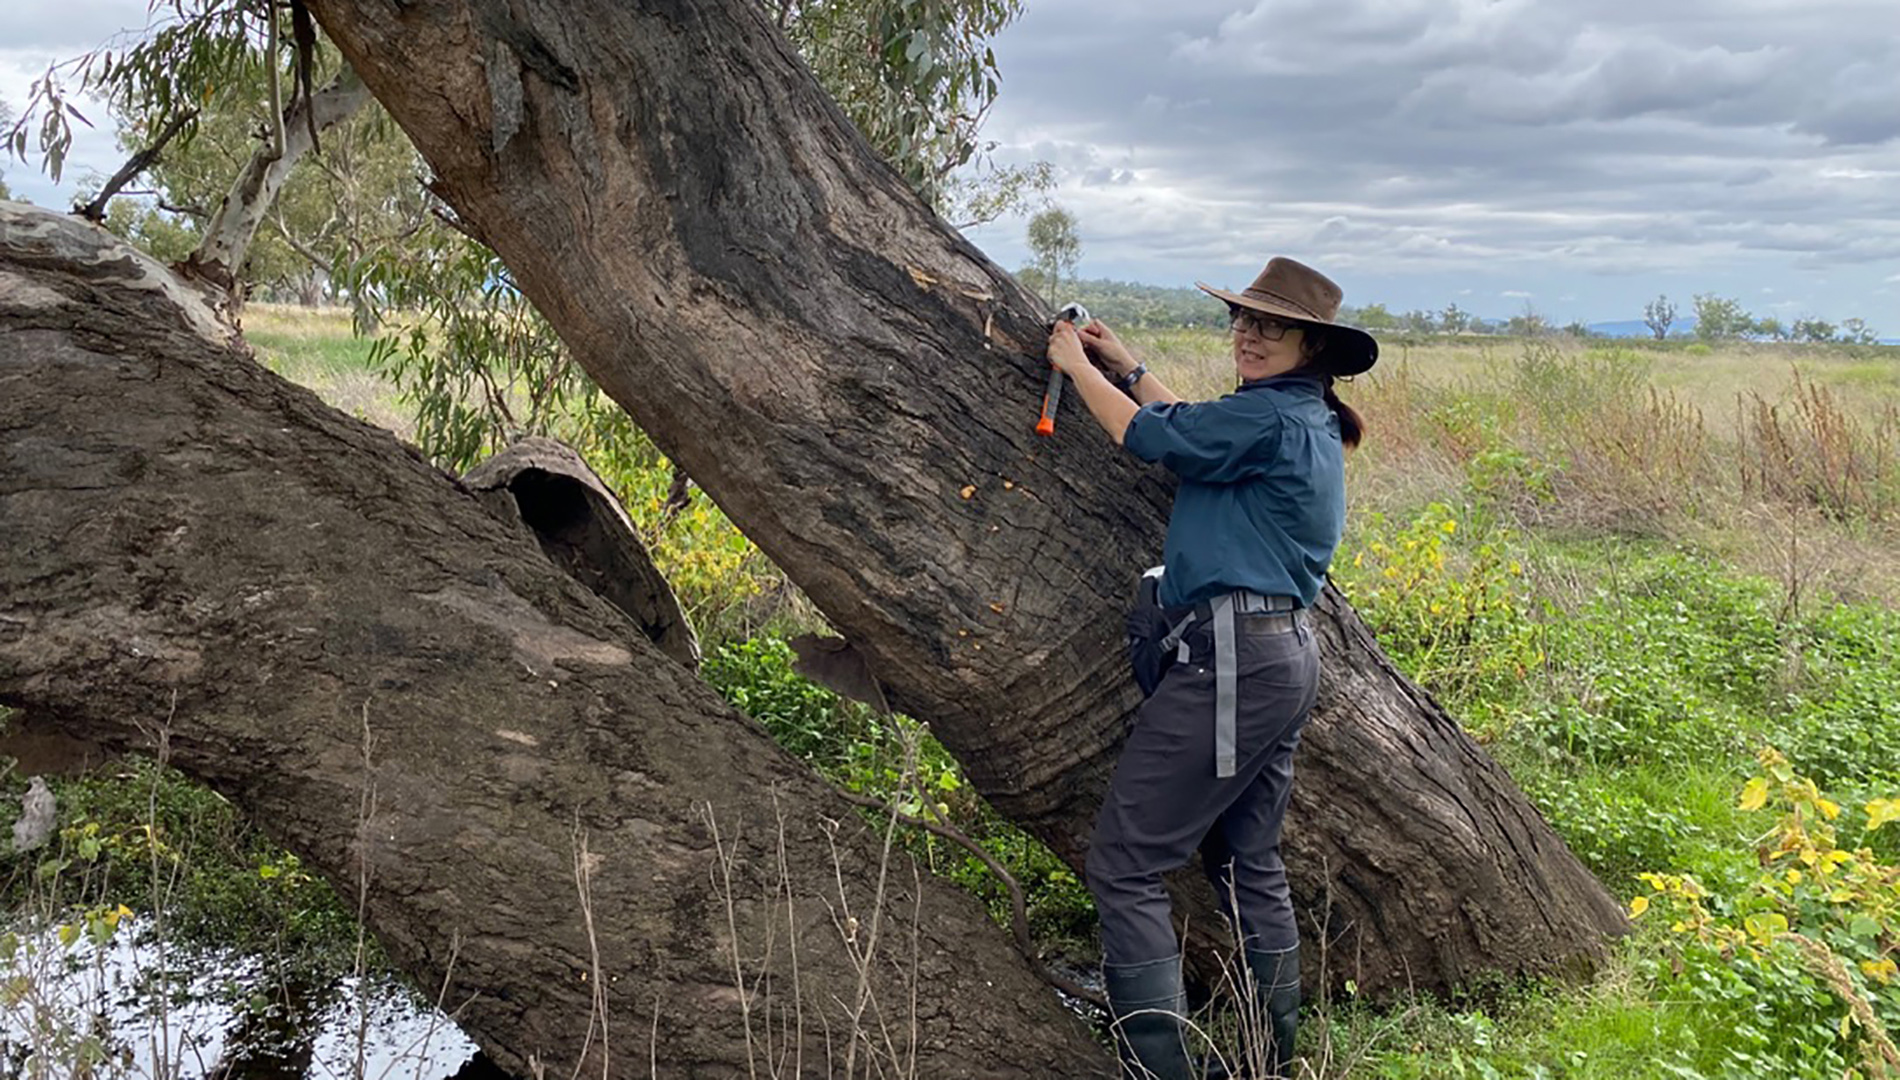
{"points": [[314, 347], [1630, 570]]}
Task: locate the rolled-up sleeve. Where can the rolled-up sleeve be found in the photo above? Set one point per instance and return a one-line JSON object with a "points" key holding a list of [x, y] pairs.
{"points": [[1206, 441]]}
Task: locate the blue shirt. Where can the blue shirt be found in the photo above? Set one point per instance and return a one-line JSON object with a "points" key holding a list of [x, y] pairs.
{"points": [[1262, 501]]}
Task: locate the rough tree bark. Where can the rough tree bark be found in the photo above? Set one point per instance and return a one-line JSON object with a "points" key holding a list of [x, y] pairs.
{"points": [[228, 238], [854, 384], [306, 615]]}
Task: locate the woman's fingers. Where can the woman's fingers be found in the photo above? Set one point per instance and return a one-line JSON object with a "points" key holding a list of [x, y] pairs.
{"points": [[1065, 348]]}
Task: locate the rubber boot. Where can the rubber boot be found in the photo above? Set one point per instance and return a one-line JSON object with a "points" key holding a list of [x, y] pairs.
{"points": [[1276, 980], [1147, 1004]]}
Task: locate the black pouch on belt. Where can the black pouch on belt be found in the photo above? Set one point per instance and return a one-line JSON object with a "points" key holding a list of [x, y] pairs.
{"points": [[1152, 635]]}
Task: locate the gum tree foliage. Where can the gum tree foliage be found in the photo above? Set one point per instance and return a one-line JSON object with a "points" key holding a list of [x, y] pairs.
{"points": [[1857, 332], [198, 46], [232, 72], [1527, 323], [1375, 318], [916, 76], [1812, 330], [357, 194]]}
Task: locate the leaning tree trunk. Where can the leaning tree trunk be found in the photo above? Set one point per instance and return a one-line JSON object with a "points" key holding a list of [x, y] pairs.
{"points": [[855, 385], [567, 831]]}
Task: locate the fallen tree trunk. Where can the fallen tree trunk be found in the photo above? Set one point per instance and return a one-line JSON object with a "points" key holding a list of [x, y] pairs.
{"points": [[596, 858], [855, 385]]}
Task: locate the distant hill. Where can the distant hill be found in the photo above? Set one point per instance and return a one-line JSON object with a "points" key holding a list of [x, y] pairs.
{"points": [[1132, 304], [1637, 329]]}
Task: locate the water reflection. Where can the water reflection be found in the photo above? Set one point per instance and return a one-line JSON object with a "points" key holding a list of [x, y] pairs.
{"points": [[132, 1007]]}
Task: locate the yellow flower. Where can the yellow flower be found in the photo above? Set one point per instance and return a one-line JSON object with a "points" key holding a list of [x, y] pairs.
{"points": [[1639, 905], [1794, 877], [1882, 969], [1450, 527]]}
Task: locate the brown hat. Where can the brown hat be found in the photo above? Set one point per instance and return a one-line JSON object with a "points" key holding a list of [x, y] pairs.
{"points": [[1296, 291]]}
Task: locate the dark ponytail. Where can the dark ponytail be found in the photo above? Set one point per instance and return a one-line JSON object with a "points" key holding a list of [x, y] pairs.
{"points": [[1352, 426]]}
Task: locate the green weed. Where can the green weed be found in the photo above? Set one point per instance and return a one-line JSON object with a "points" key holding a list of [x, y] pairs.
{"points": [[862, 752]]}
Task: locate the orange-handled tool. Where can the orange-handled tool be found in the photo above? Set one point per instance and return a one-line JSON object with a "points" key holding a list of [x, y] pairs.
{"points": [[1078, 316], [1046, 423]]}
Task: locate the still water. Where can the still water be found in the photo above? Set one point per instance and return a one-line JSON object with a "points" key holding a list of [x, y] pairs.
{"points": [[131, 1007]]}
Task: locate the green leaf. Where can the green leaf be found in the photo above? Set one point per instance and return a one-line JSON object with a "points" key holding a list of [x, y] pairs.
{"points": [[1765, 924]]}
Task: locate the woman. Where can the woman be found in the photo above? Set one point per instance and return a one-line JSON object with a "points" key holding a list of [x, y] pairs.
{"points": [[1209, 764]]}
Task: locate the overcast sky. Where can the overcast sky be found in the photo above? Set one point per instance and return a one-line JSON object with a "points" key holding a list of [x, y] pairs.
{"points": [[1580, 156]]}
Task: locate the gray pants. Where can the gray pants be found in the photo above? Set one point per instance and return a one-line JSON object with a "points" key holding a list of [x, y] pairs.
{"points": [[1165, 800]]}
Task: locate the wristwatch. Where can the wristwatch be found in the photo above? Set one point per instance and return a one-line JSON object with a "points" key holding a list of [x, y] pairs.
{"points": [[1127, 382]]}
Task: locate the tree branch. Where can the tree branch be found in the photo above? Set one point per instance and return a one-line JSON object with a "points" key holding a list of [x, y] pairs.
{"points": [[278, 138], [95, 211], [309, 253]]}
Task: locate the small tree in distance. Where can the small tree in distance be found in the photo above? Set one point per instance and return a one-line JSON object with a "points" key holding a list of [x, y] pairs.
{"points": [[1055, 250], [1528, 323], [1812, 330], [1658, 314], [1857, 332], [1720, 318]]}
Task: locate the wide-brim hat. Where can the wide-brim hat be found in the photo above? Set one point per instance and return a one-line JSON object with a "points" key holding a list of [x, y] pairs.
{"points": [[1297, 292]]}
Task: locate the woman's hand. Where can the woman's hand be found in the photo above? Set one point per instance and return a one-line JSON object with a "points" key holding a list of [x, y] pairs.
{"points": [[1065, 350], [1098, 339]]}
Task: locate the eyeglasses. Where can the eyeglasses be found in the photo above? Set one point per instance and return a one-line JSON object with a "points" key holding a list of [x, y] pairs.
{"points": [[1266, 326]]}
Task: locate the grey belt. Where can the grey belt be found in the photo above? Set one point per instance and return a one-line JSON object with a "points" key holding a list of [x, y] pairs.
{"points": [[1222, 610]]}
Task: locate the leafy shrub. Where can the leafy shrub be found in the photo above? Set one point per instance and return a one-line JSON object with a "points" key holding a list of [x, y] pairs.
{"points": [[871, 755], [1813, 937], [1456, 619], [1615, 831], [1844, 710], [147, 837]]}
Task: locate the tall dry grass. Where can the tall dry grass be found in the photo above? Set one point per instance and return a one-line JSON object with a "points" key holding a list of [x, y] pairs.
{"points": [[1782, 461]]}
